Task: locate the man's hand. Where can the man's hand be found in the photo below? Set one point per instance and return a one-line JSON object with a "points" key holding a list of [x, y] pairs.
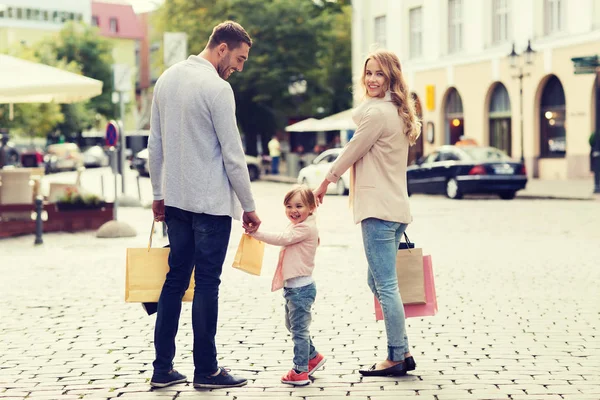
{"points": [[158, 208], [320, 192], [250, 221]]}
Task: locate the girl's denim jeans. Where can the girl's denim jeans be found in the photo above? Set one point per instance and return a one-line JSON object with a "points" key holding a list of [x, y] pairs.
{"points": [[298, 302], [381, 239]]}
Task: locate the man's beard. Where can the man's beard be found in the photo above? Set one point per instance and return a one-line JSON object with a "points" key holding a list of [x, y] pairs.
{"points": [[223, 68]]}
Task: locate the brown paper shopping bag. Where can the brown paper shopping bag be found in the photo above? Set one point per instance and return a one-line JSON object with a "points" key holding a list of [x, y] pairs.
{"points": [[249, 255], [411, 280], [145, 273]]}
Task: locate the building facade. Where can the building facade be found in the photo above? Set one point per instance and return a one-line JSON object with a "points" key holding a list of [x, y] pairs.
{"points": [[29, 21], [455, 56]]}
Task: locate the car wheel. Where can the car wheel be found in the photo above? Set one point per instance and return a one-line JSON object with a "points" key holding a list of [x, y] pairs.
{"points": [[340, 188], [452, 189], [253, 172], [509, 195]]}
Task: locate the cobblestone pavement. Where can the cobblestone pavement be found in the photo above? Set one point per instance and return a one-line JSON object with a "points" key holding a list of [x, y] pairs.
{"points": [[517, 283]]}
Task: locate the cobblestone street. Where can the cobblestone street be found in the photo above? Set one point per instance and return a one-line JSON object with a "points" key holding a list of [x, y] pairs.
{"points": [[518, 285]]}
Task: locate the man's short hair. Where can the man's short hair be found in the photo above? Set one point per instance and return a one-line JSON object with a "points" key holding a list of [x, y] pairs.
{"points": [[231, 33]]}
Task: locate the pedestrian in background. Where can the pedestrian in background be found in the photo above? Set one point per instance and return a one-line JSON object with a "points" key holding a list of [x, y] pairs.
{"points": [[377, 155], [299, 243], [199, 177], [275, 154]]}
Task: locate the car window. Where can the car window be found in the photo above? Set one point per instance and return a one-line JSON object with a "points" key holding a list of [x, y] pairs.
{"points": [[486, 154], [433, 157], [449, 156]]}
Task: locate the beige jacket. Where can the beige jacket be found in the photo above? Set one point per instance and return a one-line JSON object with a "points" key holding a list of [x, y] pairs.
{"points": [[299, 246], [377, 154]]}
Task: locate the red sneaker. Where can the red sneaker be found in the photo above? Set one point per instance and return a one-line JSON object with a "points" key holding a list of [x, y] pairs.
{"points": [[315, 363], [296, 379]]}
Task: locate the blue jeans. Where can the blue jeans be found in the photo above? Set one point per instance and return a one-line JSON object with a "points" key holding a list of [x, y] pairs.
{"points": [[381, 239], [275, 165], [298, 302], [198, 240]]}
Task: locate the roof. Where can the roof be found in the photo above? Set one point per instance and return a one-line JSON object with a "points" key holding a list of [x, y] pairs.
{"points": [[128, 25]]}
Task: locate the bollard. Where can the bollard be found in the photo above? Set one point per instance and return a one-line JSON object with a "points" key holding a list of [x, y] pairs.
{"points": [[38, 221], [102, 185], [164, 224]]}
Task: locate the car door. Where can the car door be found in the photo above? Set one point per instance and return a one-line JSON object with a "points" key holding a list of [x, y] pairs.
{"points": [[427, 178], [443, 169]]}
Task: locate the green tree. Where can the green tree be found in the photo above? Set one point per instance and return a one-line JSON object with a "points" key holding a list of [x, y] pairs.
{"points": [[291, 37], [82, 44]]}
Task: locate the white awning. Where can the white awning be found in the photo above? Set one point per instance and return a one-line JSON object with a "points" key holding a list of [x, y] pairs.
{"points": [[23, 81], [336, 122]]}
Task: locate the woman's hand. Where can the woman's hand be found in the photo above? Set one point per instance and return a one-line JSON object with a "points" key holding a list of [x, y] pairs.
{"points": [[320, 192]]}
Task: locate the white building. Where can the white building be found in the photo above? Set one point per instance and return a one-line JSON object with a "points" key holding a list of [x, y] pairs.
{"points": [[27, 21], [455, 56]]}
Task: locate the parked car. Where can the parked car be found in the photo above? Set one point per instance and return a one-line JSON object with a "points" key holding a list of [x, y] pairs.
{"points": [[95, 156], [63, 157], [140, 163], [313, 174], [458, 170]]}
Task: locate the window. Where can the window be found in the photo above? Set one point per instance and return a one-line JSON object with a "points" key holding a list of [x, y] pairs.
{"points": [[45, 15], [95, 21], [500, 119], [553, 135], [19, 13], [380, 31], [553, 16], [114, 25], [415, 22], [455, 34], [500, 21]]}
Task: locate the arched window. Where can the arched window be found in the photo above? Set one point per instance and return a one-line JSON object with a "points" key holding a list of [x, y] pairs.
{"points": [[500, 119], [455, 124], [553, 135]]}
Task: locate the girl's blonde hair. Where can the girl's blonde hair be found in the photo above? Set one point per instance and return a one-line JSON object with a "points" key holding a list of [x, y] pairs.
{"points": [[307, 196], [404, 102]]}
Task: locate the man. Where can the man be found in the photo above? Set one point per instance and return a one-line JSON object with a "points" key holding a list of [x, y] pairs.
{"points": [[274, 153], [199, 178]]}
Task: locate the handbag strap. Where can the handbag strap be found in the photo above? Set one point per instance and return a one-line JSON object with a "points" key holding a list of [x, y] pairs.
{"points": [[151, 234], [408, 242]]}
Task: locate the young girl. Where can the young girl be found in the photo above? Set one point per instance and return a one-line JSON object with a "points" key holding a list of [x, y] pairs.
{"points": [[299, 243]]}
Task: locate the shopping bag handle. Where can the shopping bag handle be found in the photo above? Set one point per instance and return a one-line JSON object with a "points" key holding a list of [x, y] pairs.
{"points": [[408, 242], [151, 234]]}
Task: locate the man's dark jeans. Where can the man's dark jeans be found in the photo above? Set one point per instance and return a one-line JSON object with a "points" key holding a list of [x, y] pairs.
{"points": [[198, 240]]}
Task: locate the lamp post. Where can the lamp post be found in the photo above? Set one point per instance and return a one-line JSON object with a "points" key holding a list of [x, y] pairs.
{"points": [[519, 62]]}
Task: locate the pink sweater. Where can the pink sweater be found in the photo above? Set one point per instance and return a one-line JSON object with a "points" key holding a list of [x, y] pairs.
{"points": [[297, 256]]}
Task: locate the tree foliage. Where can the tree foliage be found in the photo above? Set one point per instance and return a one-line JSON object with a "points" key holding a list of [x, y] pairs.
{"points": [[291, 38]]}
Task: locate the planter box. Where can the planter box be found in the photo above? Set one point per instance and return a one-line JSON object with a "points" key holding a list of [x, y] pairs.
{"points": [[74, 220], [79, 206]]}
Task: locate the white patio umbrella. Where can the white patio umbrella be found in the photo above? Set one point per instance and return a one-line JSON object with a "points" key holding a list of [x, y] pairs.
{"points": [[23, 81], [306, 125], [336, 122]]}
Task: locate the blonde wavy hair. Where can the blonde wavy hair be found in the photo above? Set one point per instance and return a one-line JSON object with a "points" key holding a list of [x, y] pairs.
{"points": [[395, 83]]}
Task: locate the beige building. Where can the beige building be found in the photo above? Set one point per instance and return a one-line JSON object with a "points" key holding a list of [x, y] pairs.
{"points": [[455, 54]]}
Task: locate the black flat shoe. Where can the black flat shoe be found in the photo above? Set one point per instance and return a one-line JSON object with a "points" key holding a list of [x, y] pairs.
{"points": [[396, 370], [410, 363]]}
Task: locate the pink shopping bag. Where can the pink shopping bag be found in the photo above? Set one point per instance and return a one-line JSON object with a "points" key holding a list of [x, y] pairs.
{"points": [[430, 307]]}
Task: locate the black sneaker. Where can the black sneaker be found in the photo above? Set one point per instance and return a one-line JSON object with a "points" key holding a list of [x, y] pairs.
{"points": [[223, 380], [161, 380]]}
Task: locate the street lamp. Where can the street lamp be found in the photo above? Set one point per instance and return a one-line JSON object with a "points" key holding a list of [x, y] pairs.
{"points": [[519, 62]]}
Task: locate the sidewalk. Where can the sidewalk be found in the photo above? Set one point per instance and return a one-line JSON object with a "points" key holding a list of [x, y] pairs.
{"points": [[575, 189]]}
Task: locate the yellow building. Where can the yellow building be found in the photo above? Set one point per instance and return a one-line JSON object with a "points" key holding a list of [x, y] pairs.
{"points": [[455, 56], [117, 22]]}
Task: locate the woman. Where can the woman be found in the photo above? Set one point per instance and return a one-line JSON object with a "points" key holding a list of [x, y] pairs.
{"points": [[377, 155]]}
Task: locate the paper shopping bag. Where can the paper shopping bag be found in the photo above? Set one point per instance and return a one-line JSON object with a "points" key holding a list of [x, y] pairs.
{"points": [[145, 273], [409, 269], [249, 255], [430, 307]]}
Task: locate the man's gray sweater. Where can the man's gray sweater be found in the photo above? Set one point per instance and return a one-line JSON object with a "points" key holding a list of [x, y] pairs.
{"points": [[196, 160]]}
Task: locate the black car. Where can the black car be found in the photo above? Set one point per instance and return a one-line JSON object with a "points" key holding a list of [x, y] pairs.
{"points": [[458, 170]]}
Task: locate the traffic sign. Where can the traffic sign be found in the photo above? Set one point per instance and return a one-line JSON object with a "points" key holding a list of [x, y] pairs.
{"points": [[112, 134]]}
